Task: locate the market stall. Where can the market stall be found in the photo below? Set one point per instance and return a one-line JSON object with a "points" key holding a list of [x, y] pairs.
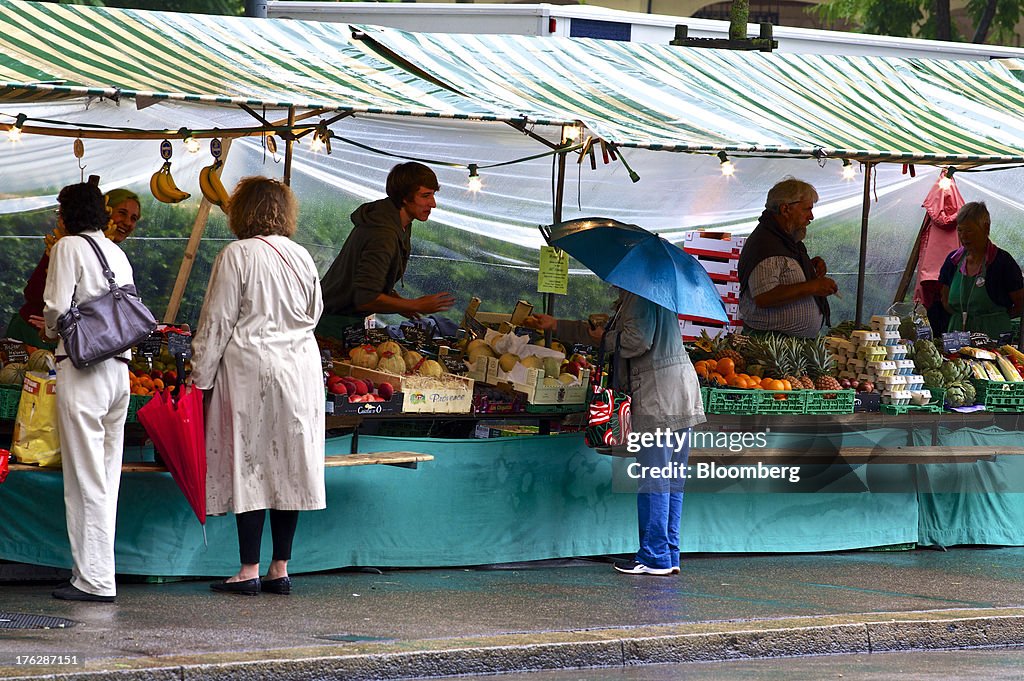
{"points": [[544, 495]]}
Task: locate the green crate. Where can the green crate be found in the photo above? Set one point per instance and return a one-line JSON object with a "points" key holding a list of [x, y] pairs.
{"points": [[999, 396], [739, 401], [135, 403], [900, 409], [704, 393], [829, 401], [10, 397]]}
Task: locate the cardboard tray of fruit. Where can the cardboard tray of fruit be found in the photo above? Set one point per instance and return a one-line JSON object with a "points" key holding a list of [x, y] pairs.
{"points": [[354, 405], [445, 394]]}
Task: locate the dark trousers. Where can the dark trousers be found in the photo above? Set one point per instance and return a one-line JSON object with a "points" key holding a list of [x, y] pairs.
{"points": [[250, 534]]}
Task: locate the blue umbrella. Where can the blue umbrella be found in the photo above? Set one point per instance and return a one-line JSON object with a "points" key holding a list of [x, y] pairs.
{"points": [[640, 262]]}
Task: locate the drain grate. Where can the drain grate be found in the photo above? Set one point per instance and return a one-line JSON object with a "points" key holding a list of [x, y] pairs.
{"points": [[14, 620]]}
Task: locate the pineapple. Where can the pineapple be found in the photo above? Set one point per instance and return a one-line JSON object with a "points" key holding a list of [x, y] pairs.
{"points": [[796, 365], [721, 346], [769, 350], [821, 364]]}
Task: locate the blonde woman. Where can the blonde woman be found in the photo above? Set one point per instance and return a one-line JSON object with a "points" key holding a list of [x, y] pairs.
{"points": [[256, 355]]}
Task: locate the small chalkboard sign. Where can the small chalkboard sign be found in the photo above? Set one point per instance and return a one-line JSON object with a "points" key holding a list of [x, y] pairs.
{"points": [[475, 328], [150, 346], [377, 336], [13, 351], [924, 332], [353, 336], [581, 349], [453, 364], [954, 340], [414, 334], [179, 345]]}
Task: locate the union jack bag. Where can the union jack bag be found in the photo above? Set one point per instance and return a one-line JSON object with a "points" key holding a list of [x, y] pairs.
{"points": [[608, 420]]}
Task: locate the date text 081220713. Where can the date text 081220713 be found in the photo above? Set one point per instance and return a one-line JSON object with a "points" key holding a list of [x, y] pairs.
{"points": [[47, 660]]}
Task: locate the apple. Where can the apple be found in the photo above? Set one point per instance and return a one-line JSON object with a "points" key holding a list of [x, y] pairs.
{"points": [[866, 387], [337, 388], [385, 390]]}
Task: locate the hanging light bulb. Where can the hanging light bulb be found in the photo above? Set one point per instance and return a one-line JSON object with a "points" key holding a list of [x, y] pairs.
{"points": [[14, 133], [192, 144], [728, 167], [946, 181], [570, 133], [315, 143], [475, 184], [848, 170]]}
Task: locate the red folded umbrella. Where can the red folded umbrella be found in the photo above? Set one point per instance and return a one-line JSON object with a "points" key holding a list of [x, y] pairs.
{"points": [[176, 428]]}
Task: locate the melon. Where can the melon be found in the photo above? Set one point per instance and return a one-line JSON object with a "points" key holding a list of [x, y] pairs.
{"points": [[431, 368], [532, 362], [412, 359], [391, 362], [37, 361], [13, 374], [389, 346], [364, 356]]}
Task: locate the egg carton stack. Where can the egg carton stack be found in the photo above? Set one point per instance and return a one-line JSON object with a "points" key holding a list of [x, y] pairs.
{"points": [[719, 255], [894, 373]]}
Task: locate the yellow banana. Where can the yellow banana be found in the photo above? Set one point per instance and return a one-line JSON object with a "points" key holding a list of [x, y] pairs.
{"points": [[168, 186], [155, 189], [211, 186]]}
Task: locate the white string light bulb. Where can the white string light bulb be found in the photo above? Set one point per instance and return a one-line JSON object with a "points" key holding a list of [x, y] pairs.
{"points": [[475, 184], [848, 170], [728, 167]]}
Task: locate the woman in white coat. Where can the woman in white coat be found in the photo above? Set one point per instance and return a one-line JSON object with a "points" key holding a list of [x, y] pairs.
{"points": [[256, 356], [92, 402]]}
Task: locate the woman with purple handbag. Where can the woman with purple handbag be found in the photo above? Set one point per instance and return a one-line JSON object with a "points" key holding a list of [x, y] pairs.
{"points": [[92, 402], [650, 364]]}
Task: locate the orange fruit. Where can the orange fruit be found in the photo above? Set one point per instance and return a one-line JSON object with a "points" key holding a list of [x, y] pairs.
{"points": [[701, 368], [718, 378], [786, 385], [766, 383], [711, 364], [737, 381], [725, 366], [776, 384]]}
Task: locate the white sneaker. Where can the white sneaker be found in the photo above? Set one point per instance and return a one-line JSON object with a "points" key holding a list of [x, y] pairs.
{"points": [[676, 570], [636, 568]]}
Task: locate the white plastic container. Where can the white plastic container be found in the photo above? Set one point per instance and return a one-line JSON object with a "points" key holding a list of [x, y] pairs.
{"points": [[871, 353], [882, 368], [885, 323], [920, 397], [905, 367], [897, 351], [890, 338], [866, 338], [915, 382]]}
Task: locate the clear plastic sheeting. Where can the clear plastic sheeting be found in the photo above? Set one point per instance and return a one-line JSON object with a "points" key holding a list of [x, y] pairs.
{"points": [[476, 243]]}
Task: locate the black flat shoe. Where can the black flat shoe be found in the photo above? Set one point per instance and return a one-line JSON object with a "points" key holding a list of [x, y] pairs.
{"points": [[249, 587], [281, 585], [73, 593]]}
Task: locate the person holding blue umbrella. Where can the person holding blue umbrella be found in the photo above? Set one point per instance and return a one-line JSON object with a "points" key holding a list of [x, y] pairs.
{"points": [[650, 364]]}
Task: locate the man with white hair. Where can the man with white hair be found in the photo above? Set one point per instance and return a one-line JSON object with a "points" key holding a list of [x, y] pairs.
{"points": [[782, 288]]}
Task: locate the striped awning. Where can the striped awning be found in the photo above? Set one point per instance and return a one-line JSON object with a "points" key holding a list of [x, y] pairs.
{"points": [[50, 51], [701, 100]]}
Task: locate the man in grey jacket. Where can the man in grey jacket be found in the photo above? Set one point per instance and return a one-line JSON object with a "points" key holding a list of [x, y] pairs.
{"points": [[362, 279]]}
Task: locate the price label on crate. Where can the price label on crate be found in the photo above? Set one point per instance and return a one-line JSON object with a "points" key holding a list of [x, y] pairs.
{"points": [[924, 332], [150, 346], [179, 345]]}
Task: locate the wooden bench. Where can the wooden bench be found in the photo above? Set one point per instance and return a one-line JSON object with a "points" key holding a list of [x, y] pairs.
{"points": [[850, 455], [399, 459]]}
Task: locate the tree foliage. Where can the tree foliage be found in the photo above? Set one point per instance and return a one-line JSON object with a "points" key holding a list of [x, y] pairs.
{"points": [[230, 7], [996, 19]]}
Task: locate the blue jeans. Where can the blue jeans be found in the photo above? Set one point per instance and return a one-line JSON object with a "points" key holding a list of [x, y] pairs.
{"points": [[659, 506]]}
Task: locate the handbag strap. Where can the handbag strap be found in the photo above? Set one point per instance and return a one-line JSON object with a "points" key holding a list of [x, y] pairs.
{"points": [[107, 272], [601, 359], [282, 258]]}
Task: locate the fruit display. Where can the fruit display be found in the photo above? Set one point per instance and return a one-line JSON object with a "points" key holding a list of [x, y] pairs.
{"points": [[359, 389], [211, 187], [163, 187]]}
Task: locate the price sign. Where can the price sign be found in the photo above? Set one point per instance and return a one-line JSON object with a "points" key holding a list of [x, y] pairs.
{"points": [[353, 336], [166, 150], [453, 364], [13, 351], [150, 346], [553, 273], [377, 336], [475, 328], [215, 148], [415, 334], [924, 332], [954, 340], [179, 345]]}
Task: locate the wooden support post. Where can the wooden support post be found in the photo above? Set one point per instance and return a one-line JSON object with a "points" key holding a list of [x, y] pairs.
{"points": [[865, 210], [288, 148], [188, 258]]}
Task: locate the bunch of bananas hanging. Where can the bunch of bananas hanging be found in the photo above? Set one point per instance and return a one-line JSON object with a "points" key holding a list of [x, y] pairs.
{"points": [[210, 184], [163, 188]]}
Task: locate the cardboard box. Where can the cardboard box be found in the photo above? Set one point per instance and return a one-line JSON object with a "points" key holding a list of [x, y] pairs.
{"points": [[420, 394], [343, 406], [729, 291], [485, 370], [718, 244], [692, 330], [476, 321], [720, 269], [732, 311]]}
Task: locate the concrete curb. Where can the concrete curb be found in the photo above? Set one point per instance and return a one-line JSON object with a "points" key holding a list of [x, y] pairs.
{"points": [[701, 642]]}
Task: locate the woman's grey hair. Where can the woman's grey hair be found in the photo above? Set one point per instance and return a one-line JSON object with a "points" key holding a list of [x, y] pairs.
{"points": [[975, 213], [790, 190]]}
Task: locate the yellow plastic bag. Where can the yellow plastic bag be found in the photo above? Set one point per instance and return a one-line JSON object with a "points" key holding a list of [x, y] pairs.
{"points": [[36, 437]]}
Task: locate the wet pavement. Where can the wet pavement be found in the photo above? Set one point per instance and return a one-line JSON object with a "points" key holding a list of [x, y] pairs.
{"points": [[547, 615]]}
